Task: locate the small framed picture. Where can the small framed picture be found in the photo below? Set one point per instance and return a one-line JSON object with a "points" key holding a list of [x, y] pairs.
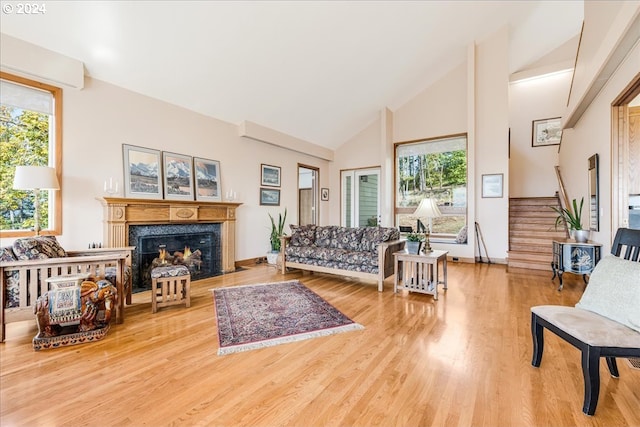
{"points": [[178, 176], [269, 197], [142, 172], [546, 132], [324, 194], [270, 176], [492, 185], [206, 175]]}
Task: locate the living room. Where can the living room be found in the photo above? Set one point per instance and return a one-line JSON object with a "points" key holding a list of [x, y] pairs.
{"points": [[478, 97]]}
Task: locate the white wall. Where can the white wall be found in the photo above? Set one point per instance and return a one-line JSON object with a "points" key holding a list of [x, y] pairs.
{"points": [[361, 151], [100, 118], [532, 172], [604, 27], [491, 141], [439, 110], [590, 135]]}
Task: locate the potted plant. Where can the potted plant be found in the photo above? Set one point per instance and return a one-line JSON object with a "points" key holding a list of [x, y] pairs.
{"points": [[414, 241], [277, 230], [573, 219]]}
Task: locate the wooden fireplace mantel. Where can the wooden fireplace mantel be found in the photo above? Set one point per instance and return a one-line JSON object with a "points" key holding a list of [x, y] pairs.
{"points": [[120, 213]]}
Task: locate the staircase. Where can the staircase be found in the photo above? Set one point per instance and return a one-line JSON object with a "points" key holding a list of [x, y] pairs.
{"points": [[531, 231]]}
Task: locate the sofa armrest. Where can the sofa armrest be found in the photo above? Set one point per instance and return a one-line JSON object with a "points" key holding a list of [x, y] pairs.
{"points": [[284, 241], [385, 258]]}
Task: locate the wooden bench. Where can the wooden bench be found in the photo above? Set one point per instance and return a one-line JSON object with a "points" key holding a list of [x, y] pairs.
{"points": [[33, 275]]}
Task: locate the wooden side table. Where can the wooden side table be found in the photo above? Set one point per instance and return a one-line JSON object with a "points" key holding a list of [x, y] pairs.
{"points": [[419, 272], [574, 257]]}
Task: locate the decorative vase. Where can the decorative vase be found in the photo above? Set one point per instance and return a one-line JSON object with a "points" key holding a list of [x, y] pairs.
{"points": [[581, 236], [413, 247], [272, 257]]}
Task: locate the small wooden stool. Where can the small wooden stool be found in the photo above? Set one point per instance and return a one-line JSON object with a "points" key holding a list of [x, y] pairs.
{"points": [[170, 285]]}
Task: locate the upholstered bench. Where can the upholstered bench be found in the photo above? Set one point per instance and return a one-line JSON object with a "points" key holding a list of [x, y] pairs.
{"points": [[170, 285], [604, 323]]}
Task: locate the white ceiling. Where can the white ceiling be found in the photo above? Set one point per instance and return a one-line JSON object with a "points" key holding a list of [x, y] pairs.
{"points": [[317, 70]]}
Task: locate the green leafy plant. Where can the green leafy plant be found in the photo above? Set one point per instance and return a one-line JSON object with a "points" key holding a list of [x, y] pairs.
{"points": [[573, 218], [277, 230], [414, 237]]}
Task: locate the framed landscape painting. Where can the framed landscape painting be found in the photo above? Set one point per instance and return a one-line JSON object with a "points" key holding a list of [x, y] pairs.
{"points": [[142, 177], [270, 176], [178, 176], [269, 197], [207, 179]]}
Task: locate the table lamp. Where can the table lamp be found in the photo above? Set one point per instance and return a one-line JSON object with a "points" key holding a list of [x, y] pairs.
{"points": [[35, 178], [427, 209]]}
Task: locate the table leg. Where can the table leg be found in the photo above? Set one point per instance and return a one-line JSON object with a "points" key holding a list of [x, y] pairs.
{"points": [[395, 276], [444, 270], [560, 278], [435, 280]]}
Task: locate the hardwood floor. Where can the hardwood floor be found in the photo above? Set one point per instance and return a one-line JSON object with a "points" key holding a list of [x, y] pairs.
{"points": [[464, 360]]}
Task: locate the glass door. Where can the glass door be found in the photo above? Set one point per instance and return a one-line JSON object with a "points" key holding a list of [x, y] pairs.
{"points": [[360, 197]]}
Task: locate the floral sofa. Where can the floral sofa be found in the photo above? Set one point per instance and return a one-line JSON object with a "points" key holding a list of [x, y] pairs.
{"points": [[25, 266], [362, 252]]}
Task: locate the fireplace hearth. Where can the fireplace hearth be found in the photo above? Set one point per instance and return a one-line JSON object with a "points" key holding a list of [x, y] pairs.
{"points": [[197, 246]]}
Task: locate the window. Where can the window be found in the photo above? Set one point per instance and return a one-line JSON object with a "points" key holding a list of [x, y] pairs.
{"points": [[30, 134], [432, 168]]}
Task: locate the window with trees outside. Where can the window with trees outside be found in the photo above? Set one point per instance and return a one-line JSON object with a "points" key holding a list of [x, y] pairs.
{"points": [[30, 135], [432, 168]]}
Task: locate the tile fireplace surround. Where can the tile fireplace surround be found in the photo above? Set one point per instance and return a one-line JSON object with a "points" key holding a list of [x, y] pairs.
{"points": [[120, 213]]}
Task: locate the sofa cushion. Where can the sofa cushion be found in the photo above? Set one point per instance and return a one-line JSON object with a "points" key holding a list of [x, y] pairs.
{"points": [[614, 291], [373, 236], [7, 255], [302, 235], [38, 247], [462, 235], [11, 279], [347, 238], [324, 234], [307, 253]]}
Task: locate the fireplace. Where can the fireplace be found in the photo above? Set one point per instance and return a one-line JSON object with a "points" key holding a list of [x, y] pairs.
{"points": [[126, 220], [197, 246]]}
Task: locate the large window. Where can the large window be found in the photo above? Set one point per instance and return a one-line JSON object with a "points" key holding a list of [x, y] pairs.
{"points": [[437, 169], [30, 135]]}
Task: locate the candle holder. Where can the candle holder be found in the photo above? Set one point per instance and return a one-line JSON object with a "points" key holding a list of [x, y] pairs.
{"points": [[109, 187]]}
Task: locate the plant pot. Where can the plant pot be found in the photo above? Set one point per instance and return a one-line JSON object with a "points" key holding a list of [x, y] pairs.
{"points": [[272, 257], [413, 247], [581, 236]]}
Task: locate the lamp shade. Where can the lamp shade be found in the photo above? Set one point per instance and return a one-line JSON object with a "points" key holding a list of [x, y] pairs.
{"points": [[427, 209], [35, 177]]}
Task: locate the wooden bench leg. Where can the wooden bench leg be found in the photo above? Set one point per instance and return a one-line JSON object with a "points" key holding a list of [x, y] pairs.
{"points": [[613, 366], [591, 374], [538, 340]]}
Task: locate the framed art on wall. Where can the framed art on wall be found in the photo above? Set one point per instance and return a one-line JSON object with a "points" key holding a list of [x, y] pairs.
{"points": [[270, 176], [492, 185], [142, 172], [546, 132], [178, 176], [207, 179], [269, 197], [324, 194]]}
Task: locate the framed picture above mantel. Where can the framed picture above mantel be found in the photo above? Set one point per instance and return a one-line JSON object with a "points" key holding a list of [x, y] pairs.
{"points": [[178, 176], [142, 172]]}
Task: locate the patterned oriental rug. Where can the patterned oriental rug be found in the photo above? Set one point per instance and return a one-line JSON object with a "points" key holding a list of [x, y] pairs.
{"points": [[268, 314]]}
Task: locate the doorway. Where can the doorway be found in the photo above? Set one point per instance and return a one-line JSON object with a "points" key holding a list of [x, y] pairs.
{"points": [[307, 195], [625, 189], [360, 205]]}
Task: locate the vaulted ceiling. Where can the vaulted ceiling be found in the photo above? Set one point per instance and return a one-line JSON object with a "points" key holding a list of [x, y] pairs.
{"points": [[316, 70]]}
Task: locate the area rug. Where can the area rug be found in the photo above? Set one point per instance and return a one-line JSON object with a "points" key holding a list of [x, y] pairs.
{"points": [[257, 316]]}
